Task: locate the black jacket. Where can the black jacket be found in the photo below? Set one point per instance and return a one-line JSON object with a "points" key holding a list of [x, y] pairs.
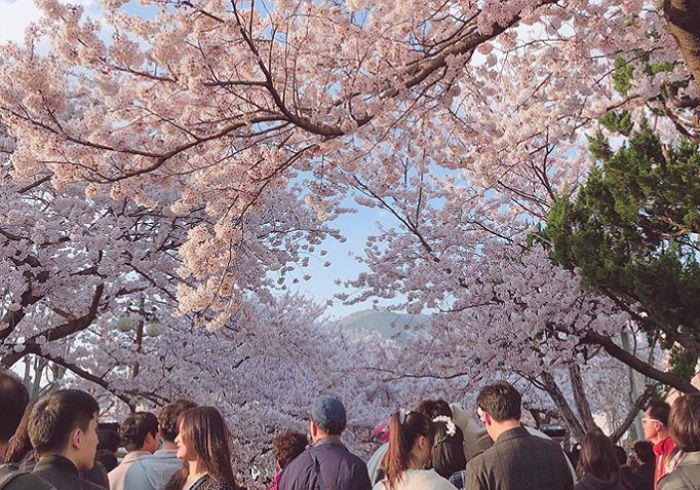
{"points": [[12, 478], [642, 478], [339, 468], [519, 460], [62, 474], [590, 482]]}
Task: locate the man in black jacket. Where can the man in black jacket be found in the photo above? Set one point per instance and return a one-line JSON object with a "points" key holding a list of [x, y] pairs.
{"points": [[63, 431], [327, 464], [517, 459]]}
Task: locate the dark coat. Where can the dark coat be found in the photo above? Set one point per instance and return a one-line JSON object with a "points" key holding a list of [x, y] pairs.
{"points": [[12, 478], [339, 468], [590, 482], [62, 474], [686, 475], [519, 460], [642, 478]]}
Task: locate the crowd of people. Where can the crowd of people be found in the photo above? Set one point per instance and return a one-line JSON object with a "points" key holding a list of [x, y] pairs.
{"points": [[55, 443]]}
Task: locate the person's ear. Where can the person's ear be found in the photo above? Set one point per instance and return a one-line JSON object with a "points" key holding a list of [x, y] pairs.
{"points": [[487, 419], [314, 428], [76, 438]]}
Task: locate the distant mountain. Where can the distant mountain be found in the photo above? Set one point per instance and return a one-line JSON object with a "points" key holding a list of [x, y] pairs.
{"points": [[386, 323]]}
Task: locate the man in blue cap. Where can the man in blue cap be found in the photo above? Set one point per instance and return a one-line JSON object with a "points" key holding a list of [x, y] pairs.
{"points": [[326, 464]]}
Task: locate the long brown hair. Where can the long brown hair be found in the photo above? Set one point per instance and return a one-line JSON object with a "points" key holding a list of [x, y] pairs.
{"points": [[404, 430], [598, 456], [19, 447], [206, 433]]}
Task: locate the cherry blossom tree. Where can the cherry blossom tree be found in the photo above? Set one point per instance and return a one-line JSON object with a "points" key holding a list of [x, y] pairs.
{"points": [[192, 158], [220, 103]]}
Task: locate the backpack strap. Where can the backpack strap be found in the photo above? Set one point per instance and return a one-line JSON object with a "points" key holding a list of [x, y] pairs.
{"points": [[317, 468]]}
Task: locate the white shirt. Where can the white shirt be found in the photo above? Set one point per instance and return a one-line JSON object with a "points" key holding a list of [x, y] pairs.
{"points": [[419, 480]]}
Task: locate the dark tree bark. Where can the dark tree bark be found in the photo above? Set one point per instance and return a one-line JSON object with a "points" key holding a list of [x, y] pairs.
{"points": [[683, 17]]}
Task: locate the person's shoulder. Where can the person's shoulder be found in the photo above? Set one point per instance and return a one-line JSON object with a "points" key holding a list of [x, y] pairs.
{"points": [[296, 469], [482, 459], [28, 481], [355, 460], [88, 485], [675, 481]]}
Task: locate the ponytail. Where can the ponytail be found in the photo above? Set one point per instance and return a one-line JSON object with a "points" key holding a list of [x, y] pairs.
{"points": [[404, 430]]}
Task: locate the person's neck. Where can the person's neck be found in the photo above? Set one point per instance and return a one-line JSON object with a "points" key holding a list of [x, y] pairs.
{"points": [[168, 445], [3, 450], [499, 428], [64, 454], [415, 463], [323, 436], [197, 470], [661, 436]]}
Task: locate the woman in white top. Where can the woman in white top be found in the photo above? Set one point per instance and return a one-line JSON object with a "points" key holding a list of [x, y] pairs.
{"points": [[411, 437]]}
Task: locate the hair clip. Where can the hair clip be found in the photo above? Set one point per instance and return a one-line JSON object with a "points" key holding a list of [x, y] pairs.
{"points": [[403, 413], [450, 428]]}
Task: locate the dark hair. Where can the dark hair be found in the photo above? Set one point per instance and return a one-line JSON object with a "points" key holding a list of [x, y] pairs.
{"points": [[135, 429], [108, 440], [55, 416], [402, 437], [644, 450], [287, 446], [501, 401], [620, 454], [434, 408], [659, 410], [19, 446], [448, 450], [14, 398], [684, 422], [205, 432], [598, 456], [168, 415]]}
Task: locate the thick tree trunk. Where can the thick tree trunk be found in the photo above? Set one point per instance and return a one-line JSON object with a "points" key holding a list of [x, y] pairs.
{"points": [[683, 18], [582, 405], [555, 393]]}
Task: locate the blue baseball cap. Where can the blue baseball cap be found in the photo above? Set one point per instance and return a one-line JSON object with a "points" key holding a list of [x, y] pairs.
{"points": [[327, 412]]}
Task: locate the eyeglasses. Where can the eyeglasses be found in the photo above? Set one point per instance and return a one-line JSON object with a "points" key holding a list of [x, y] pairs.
{"points": [[649, 419]]}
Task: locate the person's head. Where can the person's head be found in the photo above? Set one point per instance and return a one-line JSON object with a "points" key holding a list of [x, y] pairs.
{"points": [[499, 407], [434, 408], [139, 432], [14, 398], [19, 445], [108, 440], [411, 437], [65, 423], [597, 456], [168, 416], [655, 421], [684, 422], [643, 452], [448, 448], [287, 446], [203, 441], [328, 418]]}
